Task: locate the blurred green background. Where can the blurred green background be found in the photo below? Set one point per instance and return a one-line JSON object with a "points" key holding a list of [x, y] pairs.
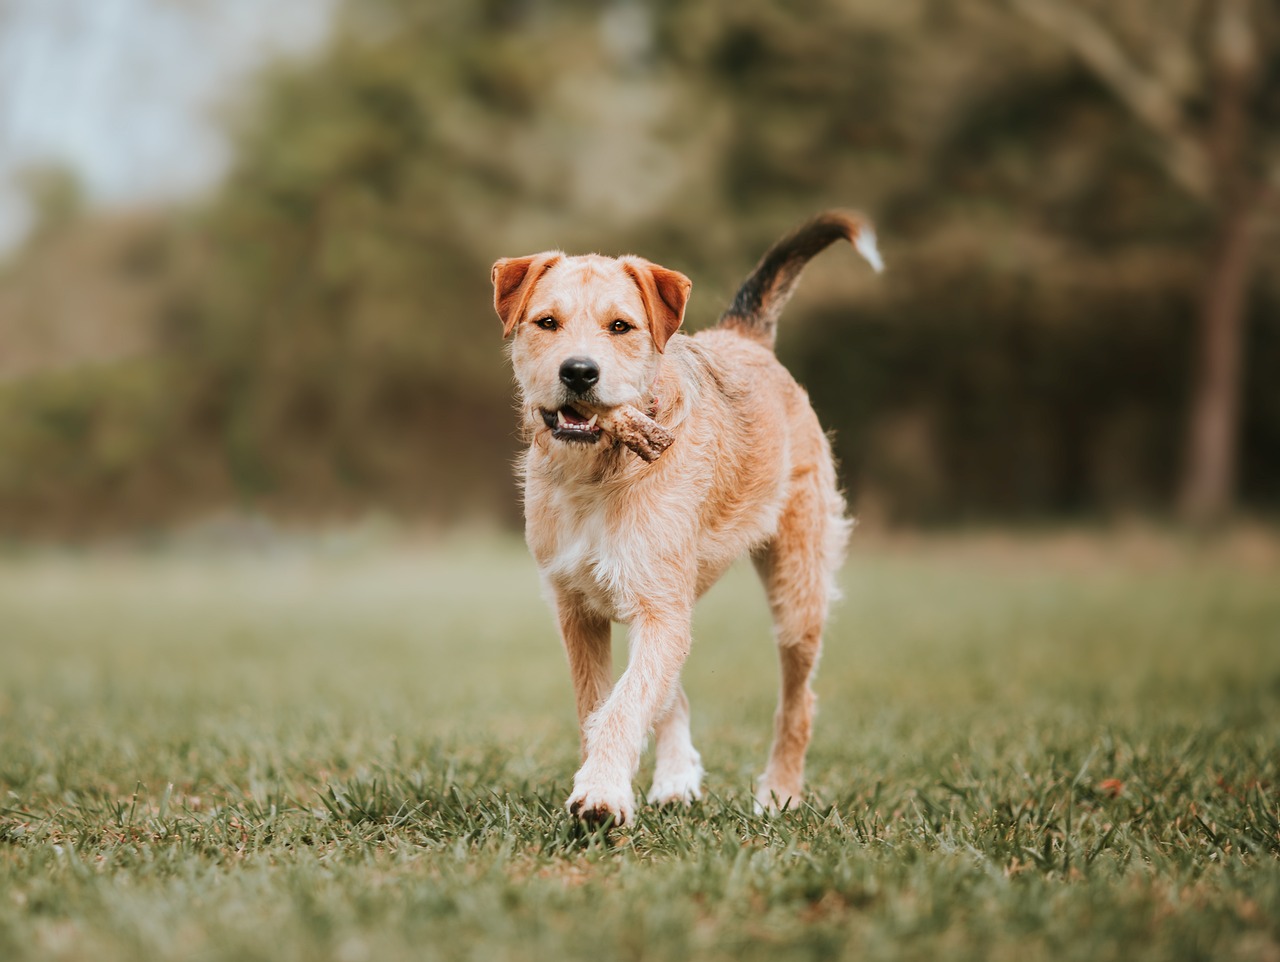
{"points": [[1078, 202]]}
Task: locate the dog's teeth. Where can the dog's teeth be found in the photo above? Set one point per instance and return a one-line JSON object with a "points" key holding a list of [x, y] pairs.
{"points": [[560, 419], [592, 423]]}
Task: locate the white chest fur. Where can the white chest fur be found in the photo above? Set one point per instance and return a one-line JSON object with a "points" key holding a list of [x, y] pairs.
{"points": [[597, 552]]}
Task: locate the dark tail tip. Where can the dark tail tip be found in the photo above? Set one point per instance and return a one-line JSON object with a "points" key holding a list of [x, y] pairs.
{"points": [[756, 307]]}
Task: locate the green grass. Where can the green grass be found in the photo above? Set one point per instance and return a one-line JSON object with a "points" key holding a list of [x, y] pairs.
{"points": [[1054, 748]]}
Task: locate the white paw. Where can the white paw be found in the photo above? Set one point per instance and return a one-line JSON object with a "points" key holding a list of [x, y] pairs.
{"points": [[682, 786], [596, 801], [774, 798]]}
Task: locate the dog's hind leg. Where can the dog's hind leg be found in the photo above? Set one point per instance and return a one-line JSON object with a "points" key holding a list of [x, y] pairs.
{"points": [[798, 569], [677, 769]]}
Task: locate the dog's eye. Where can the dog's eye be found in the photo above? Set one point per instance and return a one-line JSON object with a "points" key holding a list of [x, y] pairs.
{"points": [[547, 323], [619, 327]]}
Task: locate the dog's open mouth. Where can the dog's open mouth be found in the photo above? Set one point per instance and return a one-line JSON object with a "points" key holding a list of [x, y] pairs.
{"points": [[567, 424]]}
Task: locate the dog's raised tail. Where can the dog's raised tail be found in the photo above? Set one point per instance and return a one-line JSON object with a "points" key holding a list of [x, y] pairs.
{"points": [[756, 307]]}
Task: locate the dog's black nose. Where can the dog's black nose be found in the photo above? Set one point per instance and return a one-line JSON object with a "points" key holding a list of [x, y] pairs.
{"points": [[579, 374]]}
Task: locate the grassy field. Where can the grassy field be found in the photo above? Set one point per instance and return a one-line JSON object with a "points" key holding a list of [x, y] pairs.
{"points": [[1054, 747]]}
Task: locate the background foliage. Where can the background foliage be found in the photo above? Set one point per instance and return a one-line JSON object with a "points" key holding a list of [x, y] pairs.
{"points": [[316, 338]]}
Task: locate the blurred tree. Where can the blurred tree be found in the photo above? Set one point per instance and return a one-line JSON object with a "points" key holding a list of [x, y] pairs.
{"points": [[318, 336], [1202, 78], [55, 195]]}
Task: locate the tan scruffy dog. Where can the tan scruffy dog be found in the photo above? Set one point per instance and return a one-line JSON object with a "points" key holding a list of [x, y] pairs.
{"points": [[624, 528]]}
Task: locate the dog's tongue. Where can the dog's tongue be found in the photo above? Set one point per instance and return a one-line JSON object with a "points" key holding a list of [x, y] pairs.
{"points": [[569, 418]]}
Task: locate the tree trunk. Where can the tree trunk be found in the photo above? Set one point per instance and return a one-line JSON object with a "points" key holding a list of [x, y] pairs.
{"points": [[1209, 477]]}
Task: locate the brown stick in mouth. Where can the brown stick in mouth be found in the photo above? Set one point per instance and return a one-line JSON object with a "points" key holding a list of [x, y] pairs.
{"points": [[639, 432]]}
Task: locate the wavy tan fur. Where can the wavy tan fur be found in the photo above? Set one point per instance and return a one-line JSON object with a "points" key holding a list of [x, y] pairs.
{"points": [[619, 539]]}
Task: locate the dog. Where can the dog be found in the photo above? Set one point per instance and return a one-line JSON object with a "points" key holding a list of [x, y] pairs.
{"points": [[617, 537]]}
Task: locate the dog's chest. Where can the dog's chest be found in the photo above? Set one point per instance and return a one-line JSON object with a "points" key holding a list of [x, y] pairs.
{"points": [[591, 551]]}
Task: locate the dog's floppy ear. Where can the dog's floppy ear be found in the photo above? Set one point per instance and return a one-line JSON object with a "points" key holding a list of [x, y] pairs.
{"points": [[664, 292], [513, 281]]}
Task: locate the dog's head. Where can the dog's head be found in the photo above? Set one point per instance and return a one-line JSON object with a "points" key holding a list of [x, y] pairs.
{"points": [[587, 334]]}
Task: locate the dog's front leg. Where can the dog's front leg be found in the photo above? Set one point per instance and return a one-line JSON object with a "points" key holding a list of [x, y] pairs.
{"points": [[677, 767], [588, 643], [615, 733]]}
